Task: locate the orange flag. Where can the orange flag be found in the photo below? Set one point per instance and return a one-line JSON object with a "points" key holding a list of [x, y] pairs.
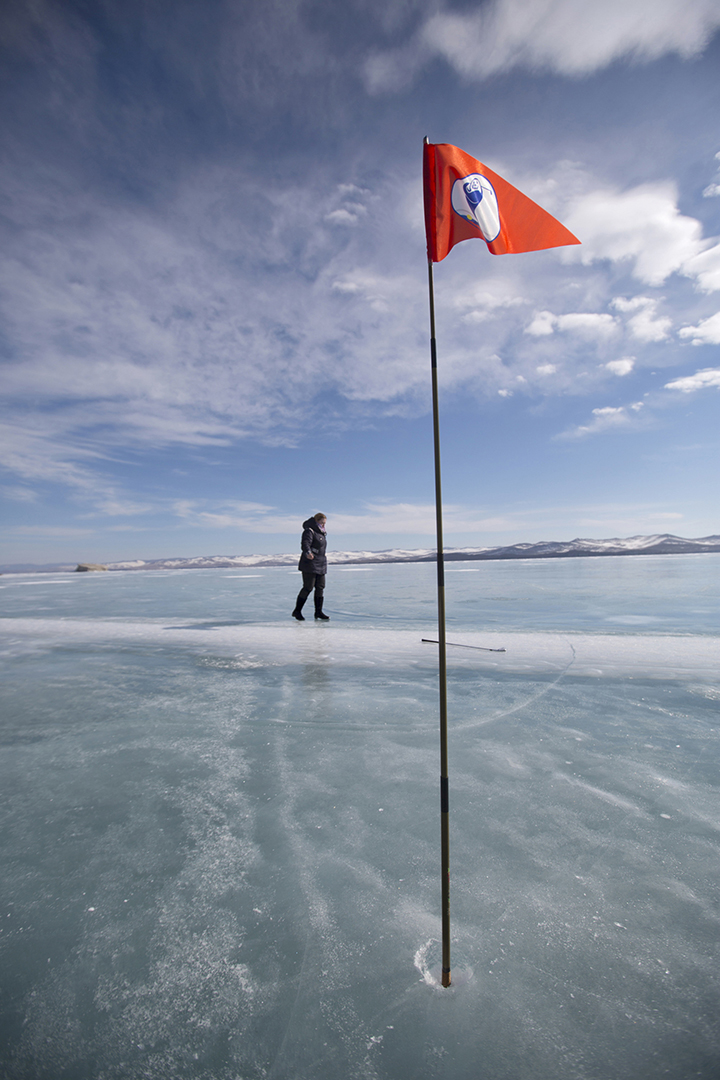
{"points": [[464, 200]]}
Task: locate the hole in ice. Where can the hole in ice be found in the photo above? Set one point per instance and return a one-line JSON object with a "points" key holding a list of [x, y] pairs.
{"points": [[431, 972]]}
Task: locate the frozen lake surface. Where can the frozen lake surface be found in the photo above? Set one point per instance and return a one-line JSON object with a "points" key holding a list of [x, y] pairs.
{"points": [[220, 828]]}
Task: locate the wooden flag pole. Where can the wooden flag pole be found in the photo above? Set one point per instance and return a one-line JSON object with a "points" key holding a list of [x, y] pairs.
{"points": [[444, 803]]}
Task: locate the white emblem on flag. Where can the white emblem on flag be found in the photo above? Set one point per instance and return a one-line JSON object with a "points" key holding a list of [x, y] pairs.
{"points": [[473, 198]]}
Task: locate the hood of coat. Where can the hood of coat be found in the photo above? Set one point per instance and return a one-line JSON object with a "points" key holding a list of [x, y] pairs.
{"points": [[311, 523]]}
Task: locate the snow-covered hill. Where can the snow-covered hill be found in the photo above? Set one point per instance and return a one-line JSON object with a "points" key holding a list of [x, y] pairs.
{"points": [[661, 544]]}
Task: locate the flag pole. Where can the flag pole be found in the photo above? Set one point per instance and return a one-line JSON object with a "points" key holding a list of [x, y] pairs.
{"points": [[444, 802], [509, 223]]}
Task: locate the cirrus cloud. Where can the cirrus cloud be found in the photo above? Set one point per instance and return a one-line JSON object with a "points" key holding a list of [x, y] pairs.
{"points": [[570, 37]]}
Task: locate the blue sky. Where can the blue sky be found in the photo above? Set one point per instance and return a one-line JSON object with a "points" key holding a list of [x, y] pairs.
{"points": [[214, 280]]}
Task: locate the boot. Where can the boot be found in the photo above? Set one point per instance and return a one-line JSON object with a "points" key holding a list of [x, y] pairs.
{"points": [[297, 613], [319, 611]]}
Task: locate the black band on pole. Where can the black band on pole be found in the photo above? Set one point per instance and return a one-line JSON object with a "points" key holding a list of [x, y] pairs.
{"points": [[444, 795]]}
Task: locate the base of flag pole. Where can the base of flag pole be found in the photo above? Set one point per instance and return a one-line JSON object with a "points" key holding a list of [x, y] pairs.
{"points": [[461, 976], [429, 964]]}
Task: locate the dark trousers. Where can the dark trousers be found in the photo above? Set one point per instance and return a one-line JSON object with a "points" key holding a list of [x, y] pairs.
{"points": [[312, 581]]}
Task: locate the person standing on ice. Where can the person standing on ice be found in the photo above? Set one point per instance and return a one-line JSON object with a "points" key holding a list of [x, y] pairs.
{"points": [[313, 565]]}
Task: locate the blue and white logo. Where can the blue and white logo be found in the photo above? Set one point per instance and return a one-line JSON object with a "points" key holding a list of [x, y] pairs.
{"points": [[473, 198]]}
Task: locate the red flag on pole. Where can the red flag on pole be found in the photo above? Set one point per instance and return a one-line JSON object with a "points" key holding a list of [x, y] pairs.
{"points": [[464, 200]]}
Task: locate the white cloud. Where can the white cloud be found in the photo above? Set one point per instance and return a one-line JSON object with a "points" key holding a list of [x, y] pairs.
{"points": [[346, 190], [119, 507], [352, 209], [571, 37], [388, 518], [235, 514], [342, 217], [142, 328], [621, 367], [51, 532], [588, 324], [40, 450], [146, 328], [373, 519], [542, 325], [642, 226], [347, 286], [501, 293], [607, 418], [701, 380], [47, 449], [712, 189], [376, 518], [643, 324], [707, 332], [377, 290], [481, 301], [19, 494], [705, 266], [628, 521]]}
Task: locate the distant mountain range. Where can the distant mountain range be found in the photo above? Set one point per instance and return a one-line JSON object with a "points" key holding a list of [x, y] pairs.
{"points": [[659, 544]]}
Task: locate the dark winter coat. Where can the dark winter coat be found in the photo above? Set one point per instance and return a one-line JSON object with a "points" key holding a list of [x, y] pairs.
{"points": [[315, 541]]}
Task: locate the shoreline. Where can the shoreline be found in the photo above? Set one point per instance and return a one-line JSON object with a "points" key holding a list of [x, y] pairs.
{"points": [[663, 544]]}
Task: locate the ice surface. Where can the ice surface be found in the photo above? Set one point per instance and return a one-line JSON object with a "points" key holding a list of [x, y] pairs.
{"points": [[220, 828]]}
